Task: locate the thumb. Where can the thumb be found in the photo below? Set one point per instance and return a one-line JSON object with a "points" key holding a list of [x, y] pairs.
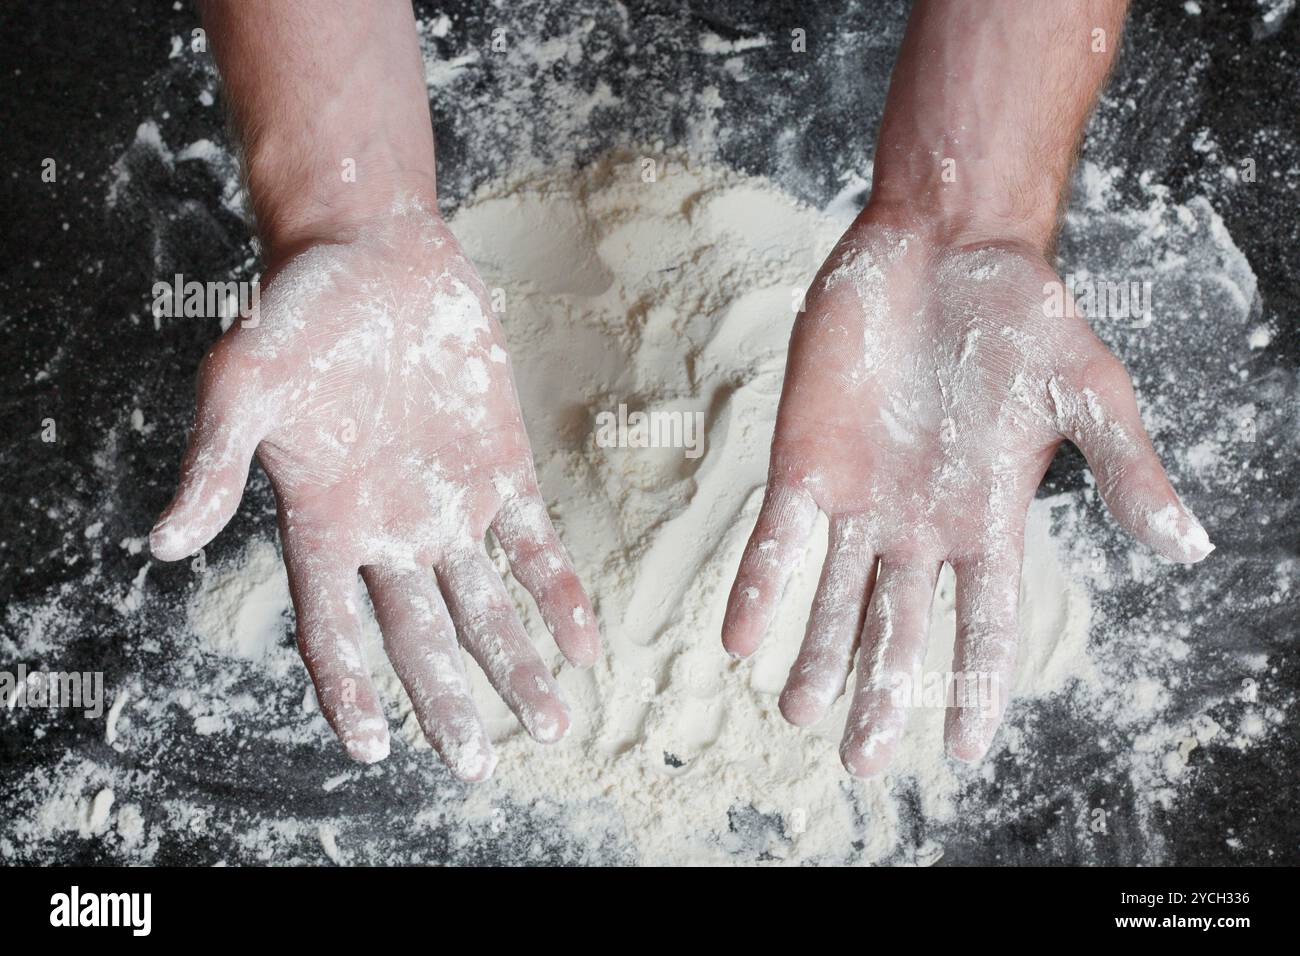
{"points": [[232, 419], [1101, 417]]}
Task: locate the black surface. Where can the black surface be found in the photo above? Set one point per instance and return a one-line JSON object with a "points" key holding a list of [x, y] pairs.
{"points": [[78, 346]]}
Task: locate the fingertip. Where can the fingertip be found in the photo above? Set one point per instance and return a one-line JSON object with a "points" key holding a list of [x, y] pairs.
{"points": [[567, 613], [774, 550], [968, 734], [966, 751], [173, 541], [800, 706], [472, 760], [167, 542], [477, 774], [550, 722], [537, 703], [859, 764], [866, 753], [967, 747], [742, 627], [578, 633], [1175, 533], [739, 648], [368, 747], [195, 516], [583, 650], [1195, 542]]}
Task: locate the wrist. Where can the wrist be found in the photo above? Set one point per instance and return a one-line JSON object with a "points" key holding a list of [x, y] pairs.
{"points": [[330, 197], [953, 228], [970, 209], [984, 112], [331, 107]]}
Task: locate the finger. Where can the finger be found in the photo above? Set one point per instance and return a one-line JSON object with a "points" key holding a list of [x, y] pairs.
{"points": [[232, 418], [421, 644], [1103, 420], [822, 667], [984, 659], [540, 563], [889, 660], [329, 639], [773, 552], [490, 630]]}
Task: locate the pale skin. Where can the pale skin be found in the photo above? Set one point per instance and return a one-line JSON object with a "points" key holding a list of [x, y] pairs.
{"points": [[376, 392], [927, 389], [925, 394]]}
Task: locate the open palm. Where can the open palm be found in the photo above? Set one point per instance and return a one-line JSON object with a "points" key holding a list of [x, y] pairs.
{"points": [[375, 389], [925, 395]]}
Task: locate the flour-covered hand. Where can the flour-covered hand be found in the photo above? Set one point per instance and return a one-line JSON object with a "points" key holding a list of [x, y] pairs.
{"points": [[375, 390], [926, 393]]}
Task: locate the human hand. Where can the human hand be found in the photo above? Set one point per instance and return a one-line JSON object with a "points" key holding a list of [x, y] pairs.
{"points": [[925, 395], [377, 394]]}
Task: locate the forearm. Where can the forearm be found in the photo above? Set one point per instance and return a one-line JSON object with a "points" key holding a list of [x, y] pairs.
{"points": [[329, 103], [985, 110]]}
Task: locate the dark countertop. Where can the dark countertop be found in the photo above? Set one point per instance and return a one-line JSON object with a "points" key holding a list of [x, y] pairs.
{"points": [[79, 347]]}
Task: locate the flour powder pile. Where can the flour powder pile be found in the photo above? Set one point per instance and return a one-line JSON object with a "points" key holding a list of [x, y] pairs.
{"points": [[671, 292]]}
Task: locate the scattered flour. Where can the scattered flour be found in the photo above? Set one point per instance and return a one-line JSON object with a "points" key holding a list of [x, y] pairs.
{"points": [[677, 295], [674, 295], [241, 610], [677, 292]]}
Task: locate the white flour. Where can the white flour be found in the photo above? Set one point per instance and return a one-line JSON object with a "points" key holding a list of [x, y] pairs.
{"points": [[674, 295]]}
